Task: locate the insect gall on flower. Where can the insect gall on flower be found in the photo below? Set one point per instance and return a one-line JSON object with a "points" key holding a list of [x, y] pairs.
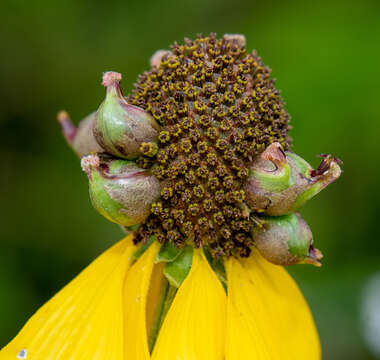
{"points": [[196, 165]]}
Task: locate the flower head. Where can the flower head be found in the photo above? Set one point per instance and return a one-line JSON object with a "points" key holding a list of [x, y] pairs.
{"points": [[217, 108], [196, 163]]}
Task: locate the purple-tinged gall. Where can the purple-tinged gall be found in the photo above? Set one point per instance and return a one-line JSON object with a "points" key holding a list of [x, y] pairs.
{"points": [[81, 139]]}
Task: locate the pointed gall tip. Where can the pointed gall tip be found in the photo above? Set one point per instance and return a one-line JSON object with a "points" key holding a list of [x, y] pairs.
{"points": [[314, 257], [68, 129], [274, 153], [89, 162], [328, 171], [110, 78], [157, 57], [335, 170], [62, 116], [238, 38]]}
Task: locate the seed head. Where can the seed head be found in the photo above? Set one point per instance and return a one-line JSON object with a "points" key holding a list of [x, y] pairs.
{"points": [[217, 109]]}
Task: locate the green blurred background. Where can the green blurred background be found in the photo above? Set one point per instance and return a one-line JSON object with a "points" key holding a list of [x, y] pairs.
{"points": [[326, 58]]}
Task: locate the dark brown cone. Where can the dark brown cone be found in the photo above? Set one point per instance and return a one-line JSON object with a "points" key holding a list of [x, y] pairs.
{"points": [[217, 108]]}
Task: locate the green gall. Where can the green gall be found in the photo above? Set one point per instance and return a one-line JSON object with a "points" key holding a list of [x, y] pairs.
{"points": [[81, 138], [281, 182], [121, 128], [120, 191], [286, 240]]}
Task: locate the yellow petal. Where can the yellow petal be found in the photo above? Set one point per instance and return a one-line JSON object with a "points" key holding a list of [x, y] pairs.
{"points": [[155, 299], [267, 317], [195, 324], [84, 320], [135, 294]]}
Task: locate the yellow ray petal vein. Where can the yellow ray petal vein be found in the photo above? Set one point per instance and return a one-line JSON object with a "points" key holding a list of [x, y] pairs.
{"points": [[195, 324], [85, 319], [267, 317]]}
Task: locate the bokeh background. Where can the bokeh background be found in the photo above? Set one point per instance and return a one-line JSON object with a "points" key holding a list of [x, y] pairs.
{"points": [[326, 58]]}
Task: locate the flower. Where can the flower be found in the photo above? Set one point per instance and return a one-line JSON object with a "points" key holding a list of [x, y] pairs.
{"points": [[196, 165], [104, 313]]}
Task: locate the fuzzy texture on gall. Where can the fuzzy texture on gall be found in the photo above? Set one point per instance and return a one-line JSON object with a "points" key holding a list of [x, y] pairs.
{"points": [[217, 108]]}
